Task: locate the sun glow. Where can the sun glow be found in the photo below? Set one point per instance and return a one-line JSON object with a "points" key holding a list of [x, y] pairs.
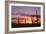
{"points": [[30, 22]]}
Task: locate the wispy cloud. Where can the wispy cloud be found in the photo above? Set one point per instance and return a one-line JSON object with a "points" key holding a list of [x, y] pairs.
{"points": [[20, 10]]}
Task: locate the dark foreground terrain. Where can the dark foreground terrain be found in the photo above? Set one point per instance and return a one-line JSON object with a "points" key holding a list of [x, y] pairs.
{"points": [[25, 25]]}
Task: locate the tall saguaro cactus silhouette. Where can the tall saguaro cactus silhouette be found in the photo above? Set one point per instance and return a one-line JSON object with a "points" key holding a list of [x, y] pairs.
{"points": [[35, 16]]}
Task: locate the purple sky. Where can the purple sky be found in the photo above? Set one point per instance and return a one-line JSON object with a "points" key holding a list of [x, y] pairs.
{"points": [[18, 10]]}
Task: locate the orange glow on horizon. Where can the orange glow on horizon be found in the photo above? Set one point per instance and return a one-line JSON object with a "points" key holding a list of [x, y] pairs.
{"points": [[27, 19]]}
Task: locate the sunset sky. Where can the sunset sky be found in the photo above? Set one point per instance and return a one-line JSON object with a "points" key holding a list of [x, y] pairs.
{"points": [[19, 10]]}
